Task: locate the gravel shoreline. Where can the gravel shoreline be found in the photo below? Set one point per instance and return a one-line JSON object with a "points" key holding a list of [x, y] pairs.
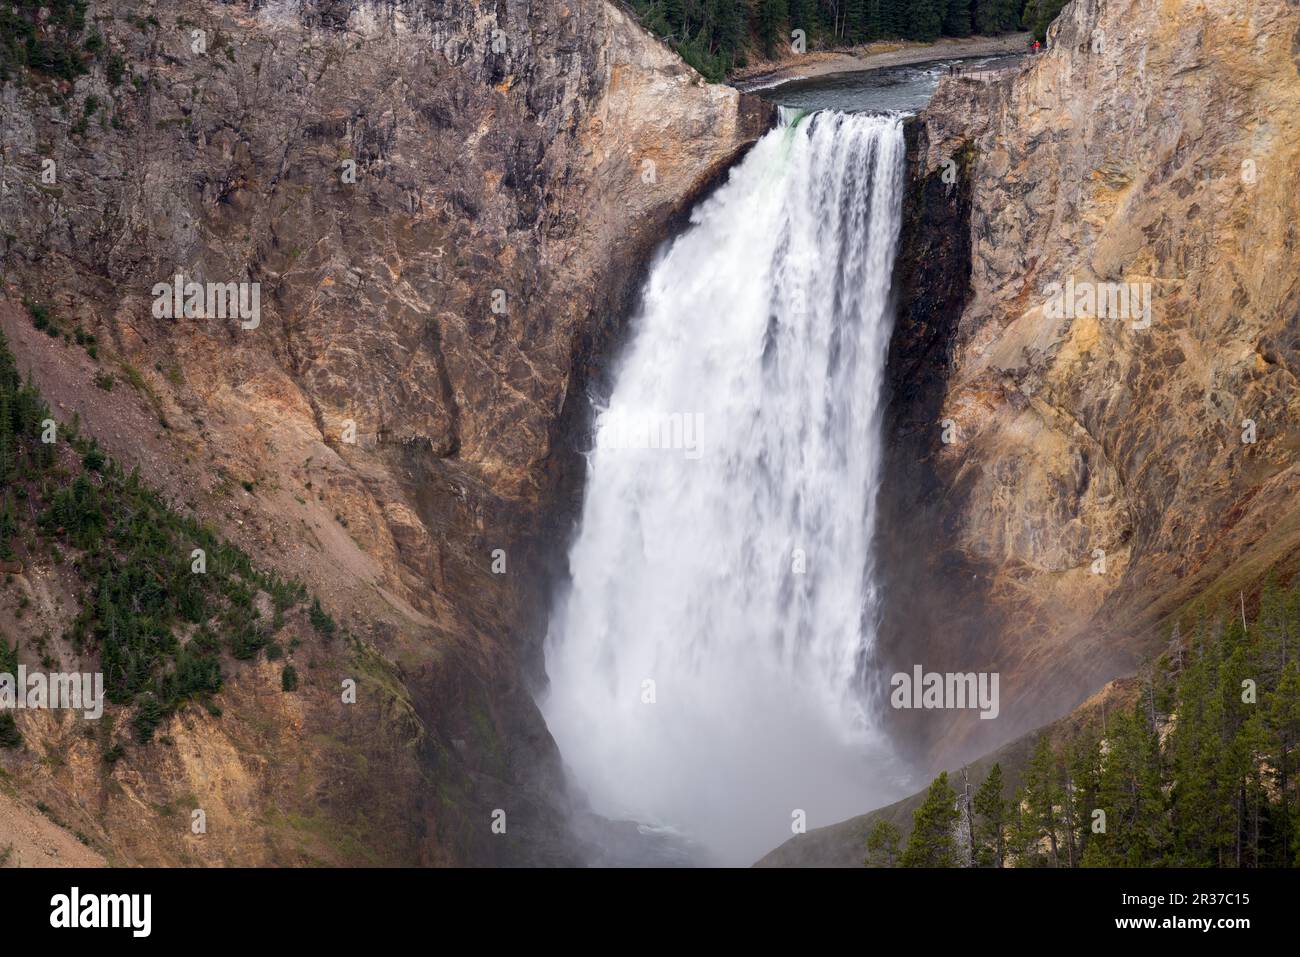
{"points": [[898, 53]]}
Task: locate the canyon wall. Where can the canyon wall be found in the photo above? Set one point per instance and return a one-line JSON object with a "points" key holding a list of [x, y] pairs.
{"points": [[445, 206], [1096, 485], [1099, 479]]}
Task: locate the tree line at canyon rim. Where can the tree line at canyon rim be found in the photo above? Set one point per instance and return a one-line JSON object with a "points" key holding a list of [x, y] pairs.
{"points": [[717, 36]]}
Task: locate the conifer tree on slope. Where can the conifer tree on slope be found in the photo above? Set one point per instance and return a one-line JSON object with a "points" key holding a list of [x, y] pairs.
{"points": [[993, 814], [1195, 798], [1132, 793], [1082, 797], [931, 843], [6, 433], [1274, 729], [882, 844], [1040, 797]]}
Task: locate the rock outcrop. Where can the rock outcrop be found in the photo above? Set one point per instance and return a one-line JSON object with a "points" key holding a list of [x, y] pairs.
{"points": [[445, 207], [1099, 479], [1102, 473]]}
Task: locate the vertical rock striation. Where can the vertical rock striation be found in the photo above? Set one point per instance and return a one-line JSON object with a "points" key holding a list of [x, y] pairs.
{"points": [[1154, 144]]}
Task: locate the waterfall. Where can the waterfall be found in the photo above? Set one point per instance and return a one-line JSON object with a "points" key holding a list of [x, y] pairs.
{"points": [[708, 657]]}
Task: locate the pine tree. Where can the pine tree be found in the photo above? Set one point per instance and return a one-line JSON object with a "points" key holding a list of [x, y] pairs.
{"points": [[855, 21], [993, 817], [1029, 16], [10, 736], [8, 528], [1132, 794], [894, 17], [988, 16], [1280, 745], [1041, 795], [6, 433], [992, 17], [772, 16], [1082, 792], [803, 15], [1044, 12], [730, 20], [673, 13], [931, 843], [1237, 766], [1274, 728], [1010, 14], [957, 19], [926, 20], [1194, 745], [873, 26], [882, 844]]}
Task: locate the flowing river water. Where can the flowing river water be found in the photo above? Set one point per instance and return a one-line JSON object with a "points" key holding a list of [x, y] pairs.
{"points": [[708, 660]]}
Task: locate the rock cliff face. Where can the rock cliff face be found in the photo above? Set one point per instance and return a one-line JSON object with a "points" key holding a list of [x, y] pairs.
{"points": [[1154, 143], [1101, 473], [445, 206]]}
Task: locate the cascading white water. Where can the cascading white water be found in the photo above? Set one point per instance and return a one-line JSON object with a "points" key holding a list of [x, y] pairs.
{"points": [[706, 663]]}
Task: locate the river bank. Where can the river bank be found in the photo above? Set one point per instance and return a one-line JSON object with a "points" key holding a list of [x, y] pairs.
{"points": [[874, 56]]}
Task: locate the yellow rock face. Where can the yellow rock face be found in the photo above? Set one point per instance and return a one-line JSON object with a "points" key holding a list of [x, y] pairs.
{"points": [[1156, 145]]}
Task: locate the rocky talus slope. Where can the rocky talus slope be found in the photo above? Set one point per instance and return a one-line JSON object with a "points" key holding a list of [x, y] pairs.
{"points": [[445, 206]]}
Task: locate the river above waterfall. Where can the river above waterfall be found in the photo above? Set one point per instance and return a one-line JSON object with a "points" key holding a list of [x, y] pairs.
{"points": [[900, 88]]}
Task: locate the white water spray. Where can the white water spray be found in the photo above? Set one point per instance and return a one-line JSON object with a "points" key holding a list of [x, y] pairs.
{"points": [[707, 662]]}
